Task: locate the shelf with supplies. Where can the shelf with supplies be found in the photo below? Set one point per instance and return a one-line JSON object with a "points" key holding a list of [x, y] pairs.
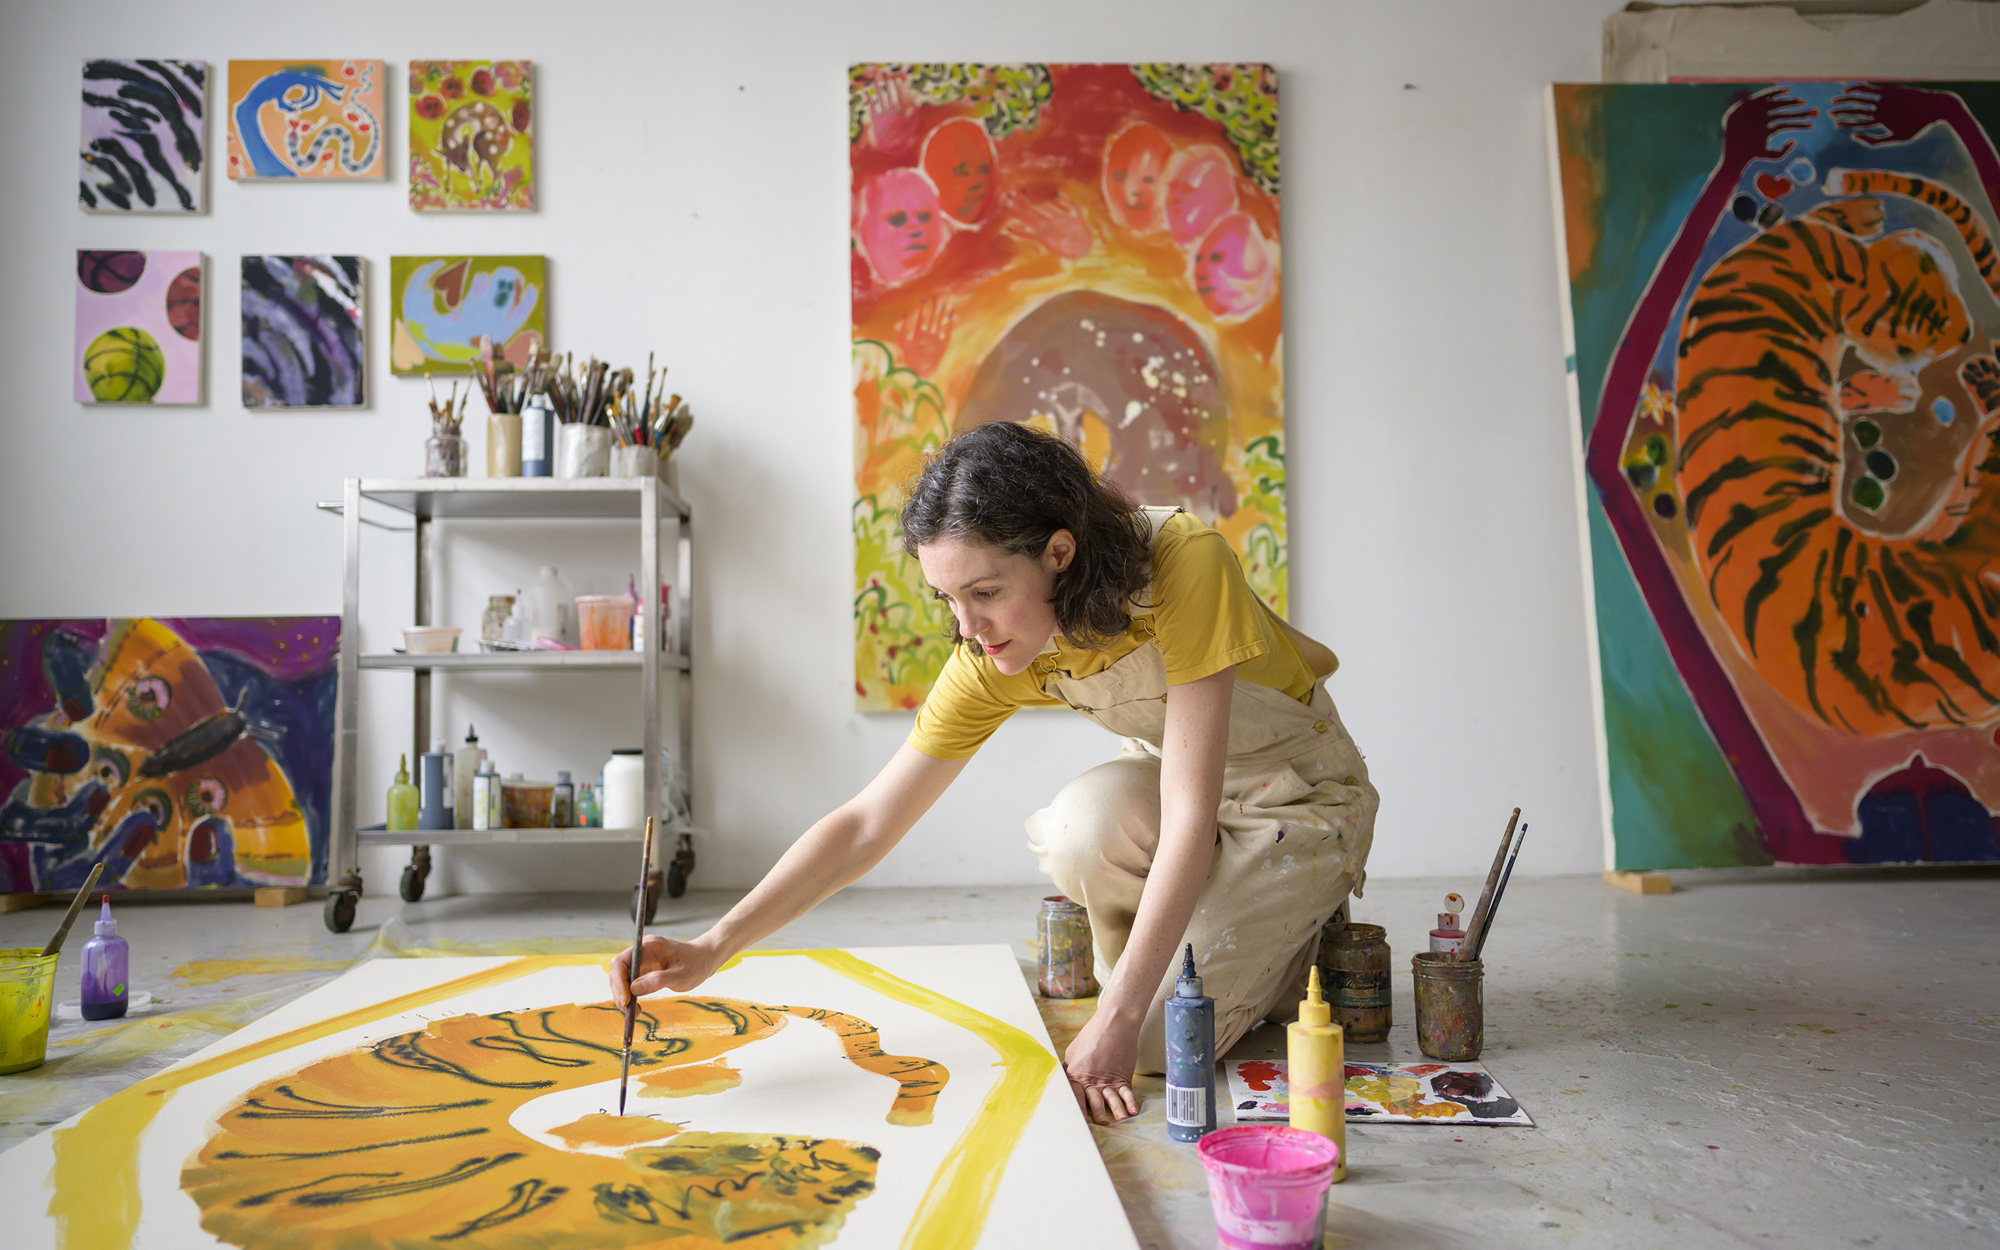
{"points": [[415, 506]]}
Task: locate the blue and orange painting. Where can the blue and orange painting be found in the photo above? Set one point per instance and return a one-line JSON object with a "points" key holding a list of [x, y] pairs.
{"points": [[180, 753], [1784, 308]]}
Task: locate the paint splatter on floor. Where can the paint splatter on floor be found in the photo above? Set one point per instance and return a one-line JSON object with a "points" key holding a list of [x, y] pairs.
{"points": [[209, 971]]}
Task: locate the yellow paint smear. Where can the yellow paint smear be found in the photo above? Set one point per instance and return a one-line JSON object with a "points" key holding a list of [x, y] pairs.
{"points": [[598, 1129], [689, 1081], [209, 971]]}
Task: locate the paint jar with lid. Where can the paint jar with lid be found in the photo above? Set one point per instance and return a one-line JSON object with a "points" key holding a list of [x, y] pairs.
{"points": [[1065, 968], [1451, 1006], [624, 789], [1355, 959]]}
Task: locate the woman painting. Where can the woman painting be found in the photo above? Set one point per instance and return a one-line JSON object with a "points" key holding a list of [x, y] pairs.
{"points": [[1237, 816]]}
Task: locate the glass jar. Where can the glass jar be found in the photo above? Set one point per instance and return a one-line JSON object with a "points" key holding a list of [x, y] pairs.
{"points": [[493, 622], [1356, 960], [444, 453], [1066, 964]]}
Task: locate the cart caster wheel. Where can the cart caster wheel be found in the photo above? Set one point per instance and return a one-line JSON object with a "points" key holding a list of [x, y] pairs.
{"points": [[677, 880], [413, 883], [652, 902], [340, 910]]}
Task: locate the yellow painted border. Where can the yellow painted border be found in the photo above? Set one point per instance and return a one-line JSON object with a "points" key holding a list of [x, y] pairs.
{"points": [[96, 1174]]}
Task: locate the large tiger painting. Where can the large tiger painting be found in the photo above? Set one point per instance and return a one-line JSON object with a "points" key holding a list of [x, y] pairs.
{"points": [[1787, 356]]}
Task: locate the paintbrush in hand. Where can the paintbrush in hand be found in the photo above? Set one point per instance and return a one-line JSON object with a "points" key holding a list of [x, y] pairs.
{"points": [[75, 906], [632, 965]]}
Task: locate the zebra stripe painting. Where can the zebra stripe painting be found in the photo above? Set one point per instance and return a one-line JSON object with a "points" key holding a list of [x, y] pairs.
{"points": [[145, 137]]}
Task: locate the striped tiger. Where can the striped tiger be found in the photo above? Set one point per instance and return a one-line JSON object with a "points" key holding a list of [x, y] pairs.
{"points": [[144, 136], [1868, 631]]}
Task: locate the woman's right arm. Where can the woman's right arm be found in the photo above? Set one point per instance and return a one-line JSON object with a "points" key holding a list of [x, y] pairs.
{"points": [[833, 854]]}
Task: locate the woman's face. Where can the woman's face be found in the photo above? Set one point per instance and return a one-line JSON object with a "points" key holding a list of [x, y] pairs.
{"points": [[1002, 601]]}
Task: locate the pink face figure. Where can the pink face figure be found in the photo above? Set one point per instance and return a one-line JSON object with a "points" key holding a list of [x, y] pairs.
{"points": [[1200, 192], [1135, 170], [1233, 269], [901, 226], [959, 157]]}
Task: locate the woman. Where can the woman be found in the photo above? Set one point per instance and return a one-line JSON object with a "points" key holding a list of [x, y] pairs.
{"points": [[1236, 818]]}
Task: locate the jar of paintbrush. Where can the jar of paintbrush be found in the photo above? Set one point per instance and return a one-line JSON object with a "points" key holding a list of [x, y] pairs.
{"points": [[444, 451], [518, 411]]}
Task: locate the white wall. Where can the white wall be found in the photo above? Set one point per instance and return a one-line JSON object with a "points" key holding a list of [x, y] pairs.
{"points": [[692, 169]]}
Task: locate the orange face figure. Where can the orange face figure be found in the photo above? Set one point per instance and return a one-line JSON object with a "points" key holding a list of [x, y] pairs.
{"points": [[959, 157], [1135, 174], [1201, 191], [1234, 271]]}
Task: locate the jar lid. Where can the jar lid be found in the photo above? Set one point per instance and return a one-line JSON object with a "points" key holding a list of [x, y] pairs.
{"points": [[628, 750]]}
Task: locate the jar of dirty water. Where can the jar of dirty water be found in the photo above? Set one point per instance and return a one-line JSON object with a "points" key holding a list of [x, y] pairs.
{"points": [[1067, 955], [1451, 1006], [1355, 959]]}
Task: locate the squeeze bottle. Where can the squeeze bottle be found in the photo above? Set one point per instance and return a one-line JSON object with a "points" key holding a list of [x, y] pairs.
{"points": [[1316, 1071], [105, 959], [1190, 1057], [402, 797]]}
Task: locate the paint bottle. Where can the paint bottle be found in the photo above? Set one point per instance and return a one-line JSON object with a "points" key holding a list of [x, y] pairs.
{"points": [[562, 803], [105, 959], [1448, 937], [434, 787], [538, 437], [1190, 1057], [402, 797], [464, 767], [486, 796], [1316, 1071]]}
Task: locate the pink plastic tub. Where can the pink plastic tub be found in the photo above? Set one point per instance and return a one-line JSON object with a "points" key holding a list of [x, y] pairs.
{"points": [[1268, 1184]]}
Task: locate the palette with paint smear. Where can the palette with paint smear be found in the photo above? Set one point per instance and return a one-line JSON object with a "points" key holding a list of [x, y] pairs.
{"points": [[1383, 1093]]}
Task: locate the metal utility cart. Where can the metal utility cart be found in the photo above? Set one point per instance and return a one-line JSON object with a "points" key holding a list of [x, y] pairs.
{"points": [[428, 500]]}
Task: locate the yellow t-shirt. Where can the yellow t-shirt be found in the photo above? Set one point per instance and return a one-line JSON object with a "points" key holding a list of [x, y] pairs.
{"points": [[1204, 618]]}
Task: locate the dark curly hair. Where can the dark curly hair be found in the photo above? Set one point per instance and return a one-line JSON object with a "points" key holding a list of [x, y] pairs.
{"points": [[1012, 487]]}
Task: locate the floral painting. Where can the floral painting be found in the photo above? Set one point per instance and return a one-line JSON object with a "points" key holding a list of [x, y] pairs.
{"points": [[1091, 249], [471, 135]]}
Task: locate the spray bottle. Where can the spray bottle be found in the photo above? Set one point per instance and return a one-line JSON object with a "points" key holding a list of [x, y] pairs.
{"points": [[105, 960], [1316, 1071], [1190, 1057]]}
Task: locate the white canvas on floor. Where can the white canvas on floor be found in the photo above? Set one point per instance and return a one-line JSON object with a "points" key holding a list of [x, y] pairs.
{"points": [[1005, 1159]]}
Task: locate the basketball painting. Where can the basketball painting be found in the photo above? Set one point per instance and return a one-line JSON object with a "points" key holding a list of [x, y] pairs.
{"points": [[138, 327]]}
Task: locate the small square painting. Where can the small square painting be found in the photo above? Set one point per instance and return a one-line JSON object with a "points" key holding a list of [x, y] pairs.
{"points": [[138, 327], [302, 322], [441, 305], [145, 137], [305, 119], [471, 135]]}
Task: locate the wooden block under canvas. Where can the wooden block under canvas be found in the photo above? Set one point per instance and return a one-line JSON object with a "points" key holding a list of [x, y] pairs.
{"points": [[21, 902], [1640, 882], [280, 895]]}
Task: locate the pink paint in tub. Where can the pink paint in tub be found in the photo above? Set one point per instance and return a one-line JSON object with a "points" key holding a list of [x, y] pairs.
{"points": [[1268, 1185]]}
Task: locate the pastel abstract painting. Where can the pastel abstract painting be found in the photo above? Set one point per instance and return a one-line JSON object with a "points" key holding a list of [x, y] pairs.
{"points": [[472, 135], [145, 136], [182, 752], [439, 305], [302, 332], [1784, 313], [306, 119], [1091, 249], [138, 327], [903, 1096]]}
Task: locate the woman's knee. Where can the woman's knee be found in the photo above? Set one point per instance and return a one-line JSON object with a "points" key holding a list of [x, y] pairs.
{"points": [[1109, 815]]}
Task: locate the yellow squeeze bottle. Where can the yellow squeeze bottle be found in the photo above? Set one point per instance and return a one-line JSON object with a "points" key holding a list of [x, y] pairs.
{"points": [[1316, 1071]]}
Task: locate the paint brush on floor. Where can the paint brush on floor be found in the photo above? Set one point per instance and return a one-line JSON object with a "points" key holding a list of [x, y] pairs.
{"points": [[632, 965], [69, 917], [1477, 925]]}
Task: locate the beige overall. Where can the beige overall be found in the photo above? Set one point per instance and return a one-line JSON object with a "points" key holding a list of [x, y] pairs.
{"points": [[1292, 834]]}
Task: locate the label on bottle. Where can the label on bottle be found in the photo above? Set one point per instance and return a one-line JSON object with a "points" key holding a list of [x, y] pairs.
{"points": [[1360, 989], [482, 804], [1187, 1105]]}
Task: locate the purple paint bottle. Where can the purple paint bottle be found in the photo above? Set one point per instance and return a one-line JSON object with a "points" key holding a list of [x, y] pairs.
{"points": [[105, 959]]}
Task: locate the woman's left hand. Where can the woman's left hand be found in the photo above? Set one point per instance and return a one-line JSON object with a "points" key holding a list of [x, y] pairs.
{"points": [[1099, 1065]]}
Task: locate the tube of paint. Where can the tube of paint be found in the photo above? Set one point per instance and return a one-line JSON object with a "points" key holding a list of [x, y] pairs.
{"points": [[1190, 1057], [1316, 1071], [105, 960]]}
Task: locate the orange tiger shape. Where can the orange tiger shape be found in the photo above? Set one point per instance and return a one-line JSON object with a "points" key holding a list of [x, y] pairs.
{"points": [[1866, 632]]}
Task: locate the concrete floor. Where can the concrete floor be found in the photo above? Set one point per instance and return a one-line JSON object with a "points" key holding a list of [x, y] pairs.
{"points": [[1768, 1059]]}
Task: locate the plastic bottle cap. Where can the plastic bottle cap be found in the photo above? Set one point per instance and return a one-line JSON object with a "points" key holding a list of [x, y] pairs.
{"points": [[1314, 1010], [1189, 986], [562, 777], [105, 926], [402, 770]]}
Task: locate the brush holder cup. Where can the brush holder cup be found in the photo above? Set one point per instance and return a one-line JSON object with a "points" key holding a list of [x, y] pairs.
{"points": [[1451, 1006], [633, 460], [582, 450]]}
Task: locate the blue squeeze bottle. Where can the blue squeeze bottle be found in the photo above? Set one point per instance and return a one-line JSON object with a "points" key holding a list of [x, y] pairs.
{"points": [[105, 959], [1190, 1057]]}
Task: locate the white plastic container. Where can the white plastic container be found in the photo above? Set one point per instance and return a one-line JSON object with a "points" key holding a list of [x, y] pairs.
{"points": [[550, 614], [625, 789]]}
